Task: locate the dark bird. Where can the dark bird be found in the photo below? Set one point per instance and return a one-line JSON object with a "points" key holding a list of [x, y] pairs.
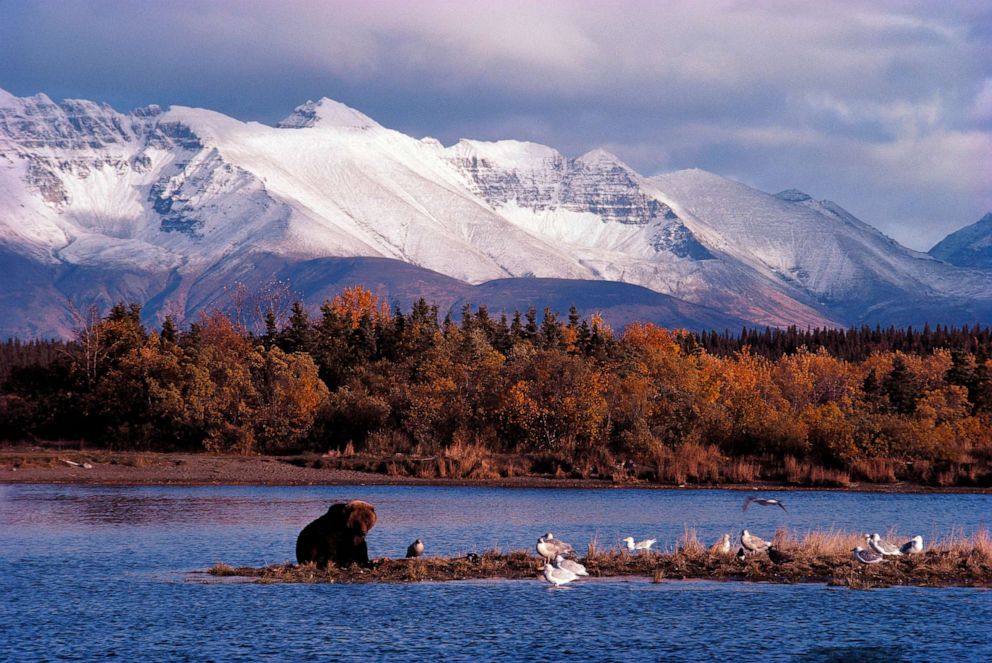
{"points": [[779, 556], [763, 501], [741, 555], [472, 557], [416, 549]]}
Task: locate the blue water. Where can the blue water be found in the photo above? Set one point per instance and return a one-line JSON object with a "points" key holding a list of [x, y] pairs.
{"points": [[92, 572]]}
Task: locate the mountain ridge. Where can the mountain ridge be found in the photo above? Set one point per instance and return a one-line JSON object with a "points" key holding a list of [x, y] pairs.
{"points": [[970, 246], [154, 205]]}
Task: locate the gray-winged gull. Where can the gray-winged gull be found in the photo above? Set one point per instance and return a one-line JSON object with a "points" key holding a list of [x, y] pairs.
{"points": [[753, 543], [549, 547], [913, 546], [881, 546], [859, 554], [571, 565], [556, 575]]}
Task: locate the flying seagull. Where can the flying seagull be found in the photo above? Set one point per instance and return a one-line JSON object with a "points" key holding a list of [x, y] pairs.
{"points": [[859, 554], [722, 547], [549, 547], [640, 545], [556, 575], [913, 546], [416, 549], [881, 546], [763, 501], [753, 543]]}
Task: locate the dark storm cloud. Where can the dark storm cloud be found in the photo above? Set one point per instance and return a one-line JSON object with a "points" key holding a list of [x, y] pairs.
{"points": [[884, 107]]}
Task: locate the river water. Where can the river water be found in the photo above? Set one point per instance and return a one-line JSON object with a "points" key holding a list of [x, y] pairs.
{"points": [[93, 573]]}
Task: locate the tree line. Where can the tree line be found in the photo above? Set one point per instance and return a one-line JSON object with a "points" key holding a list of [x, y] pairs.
{"points": [[568, 395]]}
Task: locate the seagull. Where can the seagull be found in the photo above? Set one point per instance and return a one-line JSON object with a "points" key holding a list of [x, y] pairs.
{"points": [[913, 546], [881, 546], [556, 575], [722, 547], [640, 545], [753, 543], [741, 555], [779, 556], [416, 549], [859, 554], [549, 547], [570, 565], [763, 501]]}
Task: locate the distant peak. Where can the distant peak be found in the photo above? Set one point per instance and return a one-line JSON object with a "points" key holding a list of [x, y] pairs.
{"points": [[986, 219], [507, 153], [601, 157], [327, 113], [793, 196]]}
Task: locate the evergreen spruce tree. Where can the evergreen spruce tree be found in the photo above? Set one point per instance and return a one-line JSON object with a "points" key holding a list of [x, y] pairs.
{"points": [[980, 388], [900, 387], [530, 329], [960, 373], [298, 334], [169, 332], [271, 330]]}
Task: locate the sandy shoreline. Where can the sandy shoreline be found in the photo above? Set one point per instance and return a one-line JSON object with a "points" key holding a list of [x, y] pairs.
{"points": [[101, 467]]}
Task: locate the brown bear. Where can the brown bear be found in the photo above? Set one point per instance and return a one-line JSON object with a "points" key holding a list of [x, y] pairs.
{"points": [[338, 536]]}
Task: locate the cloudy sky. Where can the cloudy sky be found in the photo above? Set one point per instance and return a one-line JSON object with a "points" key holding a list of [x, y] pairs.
{"points": [[883, 107]]}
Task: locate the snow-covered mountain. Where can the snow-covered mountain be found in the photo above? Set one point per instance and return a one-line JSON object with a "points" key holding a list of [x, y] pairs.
{"points": [[970, 246], [174, 207]]}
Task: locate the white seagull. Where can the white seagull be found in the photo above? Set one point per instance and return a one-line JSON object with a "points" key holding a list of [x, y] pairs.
{"points": [[913, 546], [640, 545], [556, 575], [753, 543], [881, 546], [571, 565], [763, 501], [859, 554], [549, 547]]}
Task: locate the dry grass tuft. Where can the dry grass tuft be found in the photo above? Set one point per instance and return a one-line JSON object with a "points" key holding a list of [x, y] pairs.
{"points": [[689, 543]]}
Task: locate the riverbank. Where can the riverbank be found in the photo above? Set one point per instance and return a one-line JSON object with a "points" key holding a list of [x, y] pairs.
{"points": [[956, 564], [102, 467]]}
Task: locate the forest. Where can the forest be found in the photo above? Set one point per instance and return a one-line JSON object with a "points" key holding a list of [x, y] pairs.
{"points": [[364, 386]]}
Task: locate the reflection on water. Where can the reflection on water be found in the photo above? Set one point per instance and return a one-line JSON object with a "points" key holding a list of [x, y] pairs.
{"points": [[93, 572]]}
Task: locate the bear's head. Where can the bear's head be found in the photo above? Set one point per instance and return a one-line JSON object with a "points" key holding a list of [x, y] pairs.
{"points": [[356, 516]]}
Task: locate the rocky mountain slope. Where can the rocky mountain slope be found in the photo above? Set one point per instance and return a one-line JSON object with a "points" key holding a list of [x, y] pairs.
{"points": [[175, 207]]}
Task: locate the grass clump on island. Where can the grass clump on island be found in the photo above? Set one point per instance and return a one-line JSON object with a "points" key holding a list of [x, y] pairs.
{"points": [[820, 557]]}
